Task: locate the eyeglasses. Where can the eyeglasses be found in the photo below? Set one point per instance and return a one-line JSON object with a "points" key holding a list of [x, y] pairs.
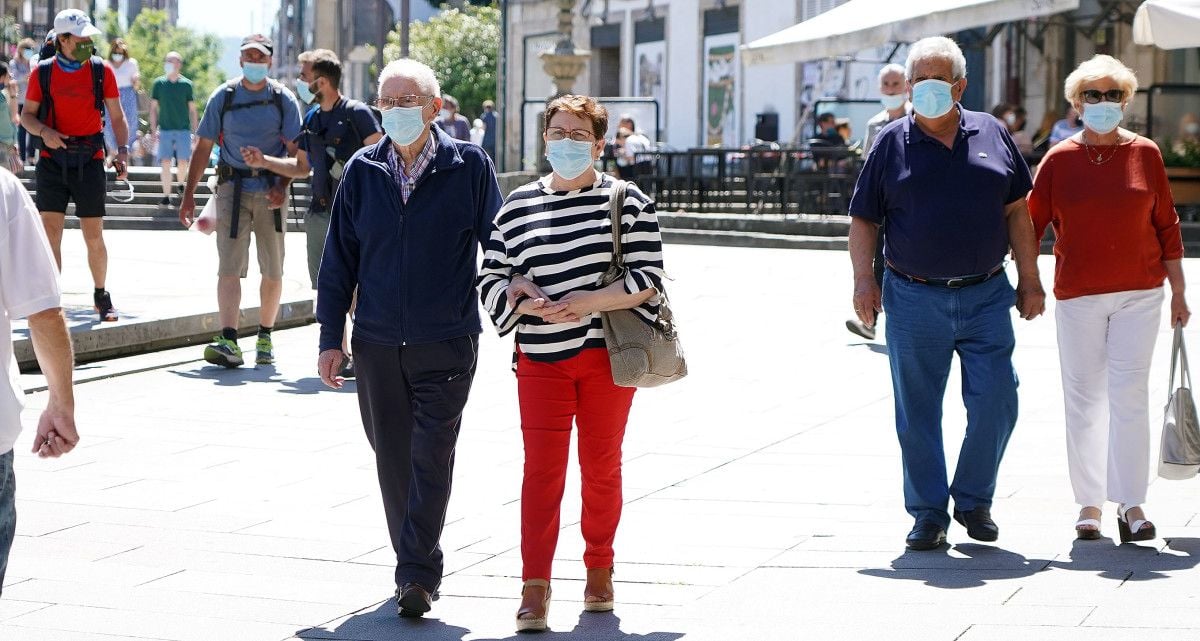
{"points": [[407, 102], [1093, 96], [578, 135]]}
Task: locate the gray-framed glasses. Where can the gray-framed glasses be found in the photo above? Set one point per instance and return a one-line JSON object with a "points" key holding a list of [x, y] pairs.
{"points": [[408, 102], [578, 135]]}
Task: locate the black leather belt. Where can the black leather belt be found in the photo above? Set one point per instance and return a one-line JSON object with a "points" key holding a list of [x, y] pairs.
{"points": [[957, 282]]}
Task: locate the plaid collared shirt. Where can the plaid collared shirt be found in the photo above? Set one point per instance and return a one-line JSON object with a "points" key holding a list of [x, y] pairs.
{"points": [[407, 178]]}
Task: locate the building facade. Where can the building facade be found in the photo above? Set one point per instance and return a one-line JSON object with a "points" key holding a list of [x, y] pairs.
{"points": [[37, 16], [684, 56], [353, 29]]}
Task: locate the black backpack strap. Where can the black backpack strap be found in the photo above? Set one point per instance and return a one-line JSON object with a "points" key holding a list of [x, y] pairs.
{"points": [[227, 102], [98, 82], [351, 107], [45, 70], [277, 96]]}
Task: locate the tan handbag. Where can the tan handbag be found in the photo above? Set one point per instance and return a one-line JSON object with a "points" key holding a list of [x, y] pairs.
{"points": [[641, 354], [1179, 455]]}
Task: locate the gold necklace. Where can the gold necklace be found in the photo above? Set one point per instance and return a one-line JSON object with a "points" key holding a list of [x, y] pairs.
{"points": [[1100, 158]]}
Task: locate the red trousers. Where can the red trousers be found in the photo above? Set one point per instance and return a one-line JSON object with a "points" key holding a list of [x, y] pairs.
{"points": [[552, 395]]}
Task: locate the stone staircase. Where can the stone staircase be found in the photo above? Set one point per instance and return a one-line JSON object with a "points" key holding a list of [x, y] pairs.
{"points": [[146, 213]]}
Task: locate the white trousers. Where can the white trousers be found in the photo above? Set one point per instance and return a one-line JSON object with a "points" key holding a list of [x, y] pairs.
{"points": [[1105, 343]]}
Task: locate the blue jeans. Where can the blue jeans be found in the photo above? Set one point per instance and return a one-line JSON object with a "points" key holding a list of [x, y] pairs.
{"points": [[8, 511], [926, 326]]}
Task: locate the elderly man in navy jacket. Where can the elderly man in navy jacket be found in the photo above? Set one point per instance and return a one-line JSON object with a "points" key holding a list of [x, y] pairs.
{"points": [[405, 228]]}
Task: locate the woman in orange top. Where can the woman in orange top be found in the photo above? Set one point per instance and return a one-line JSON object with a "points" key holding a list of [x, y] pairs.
{"points": [[1117, 238]]}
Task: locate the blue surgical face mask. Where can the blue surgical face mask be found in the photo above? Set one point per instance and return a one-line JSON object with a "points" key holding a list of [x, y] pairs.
{"points": [[932, 98], [304, 93], [118, 57], [569, 158], [892, 103], [168, 68], [255, 72], [28, 53], [1102, 117], [404, 124]]}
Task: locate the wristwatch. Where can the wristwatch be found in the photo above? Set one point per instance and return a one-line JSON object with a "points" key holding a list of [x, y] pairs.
{"points": [[123, 149]]}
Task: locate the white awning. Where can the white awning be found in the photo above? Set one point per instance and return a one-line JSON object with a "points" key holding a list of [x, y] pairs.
{"points": [[862, 24], [1169, 24]]}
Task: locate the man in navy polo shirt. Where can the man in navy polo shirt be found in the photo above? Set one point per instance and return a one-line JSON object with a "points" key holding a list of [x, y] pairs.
{"points": [[952, 186]]}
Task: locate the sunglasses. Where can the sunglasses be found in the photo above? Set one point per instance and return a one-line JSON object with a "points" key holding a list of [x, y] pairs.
{"points": [[1093, 96]]}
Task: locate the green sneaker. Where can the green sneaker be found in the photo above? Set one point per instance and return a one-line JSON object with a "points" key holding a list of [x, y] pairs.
{"points": [[223, 352], [266, 351]]}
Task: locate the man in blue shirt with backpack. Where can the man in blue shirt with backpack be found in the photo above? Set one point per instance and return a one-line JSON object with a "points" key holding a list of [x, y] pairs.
{"points": [[334, 128], [252, 111]]}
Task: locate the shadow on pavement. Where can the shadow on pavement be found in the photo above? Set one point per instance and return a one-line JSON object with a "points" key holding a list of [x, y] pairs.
{"points": [[313, 385], [598, 626], [878, 348], [231, 376], [1131, 562], [978, 565], [381, 624]]}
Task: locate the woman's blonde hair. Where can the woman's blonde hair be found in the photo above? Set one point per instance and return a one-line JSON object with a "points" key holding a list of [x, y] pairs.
{"points": [[1100, 66]]}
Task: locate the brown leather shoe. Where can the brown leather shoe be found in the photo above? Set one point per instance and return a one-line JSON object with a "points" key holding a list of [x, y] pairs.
{"points": [[533, 618], [598, 593]]}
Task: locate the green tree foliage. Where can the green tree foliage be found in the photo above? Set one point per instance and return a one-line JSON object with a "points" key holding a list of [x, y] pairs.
{"points": [[461, 46], [152, 36]]}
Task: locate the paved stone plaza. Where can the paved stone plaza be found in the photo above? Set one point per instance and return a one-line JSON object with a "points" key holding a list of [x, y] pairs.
{"points": [[762, 498]]}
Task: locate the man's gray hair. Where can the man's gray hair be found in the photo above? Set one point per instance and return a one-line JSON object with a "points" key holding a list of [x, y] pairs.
{"points": [[890, 69], [417, 72], [936, 47]]}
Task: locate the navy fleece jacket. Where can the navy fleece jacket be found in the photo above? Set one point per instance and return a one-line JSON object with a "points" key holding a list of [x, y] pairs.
{"points": [[414, 263]]}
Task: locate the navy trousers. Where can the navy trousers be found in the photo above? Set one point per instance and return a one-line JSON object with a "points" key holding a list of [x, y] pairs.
{"points": [[411, 399]]}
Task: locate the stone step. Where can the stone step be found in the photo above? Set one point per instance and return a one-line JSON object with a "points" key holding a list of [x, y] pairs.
{"points": [[751, 239], [802, 225]]}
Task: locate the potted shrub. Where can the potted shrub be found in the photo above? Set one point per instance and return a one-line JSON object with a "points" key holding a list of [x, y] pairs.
{"points": [[1183, 169]]}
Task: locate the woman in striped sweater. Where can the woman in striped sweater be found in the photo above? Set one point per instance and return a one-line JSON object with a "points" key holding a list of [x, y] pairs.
{"points": [[549, 246]]}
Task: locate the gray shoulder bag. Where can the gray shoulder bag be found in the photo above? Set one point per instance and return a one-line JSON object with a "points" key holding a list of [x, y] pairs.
{"points": [[641, 354], [1180, 451]]}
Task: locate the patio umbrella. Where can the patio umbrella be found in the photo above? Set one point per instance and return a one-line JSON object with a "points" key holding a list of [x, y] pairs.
{"points": [[861, 24], [1168, 24]]}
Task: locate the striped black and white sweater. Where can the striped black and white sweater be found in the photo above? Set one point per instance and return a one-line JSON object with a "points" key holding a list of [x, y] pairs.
{"points": [[562, 241]]}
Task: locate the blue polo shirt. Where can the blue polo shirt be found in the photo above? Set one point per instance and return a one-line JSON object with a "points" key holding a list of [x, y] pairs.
{"points": [[944, 207]]}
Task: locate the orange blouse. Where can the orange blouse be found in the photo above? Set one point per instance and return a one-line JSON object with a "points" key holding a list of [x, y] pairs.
{"points": [[1114, 224]]}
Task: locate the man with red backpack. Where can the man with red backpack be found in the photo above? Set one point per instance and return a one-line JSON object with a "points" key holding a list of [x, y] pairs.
{"points": [[64, 106]]}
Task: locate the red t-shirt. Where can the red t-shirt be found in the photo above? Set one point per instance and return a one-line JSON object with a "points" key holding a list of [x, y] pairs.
{"points": [[1114, 224], [74, 112]]}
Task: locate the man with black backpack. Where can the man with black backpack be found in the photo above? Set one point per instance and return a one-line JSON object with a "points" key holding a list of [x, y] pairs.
{"points": [[248, 112], [64, 106], [334, 129]]}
